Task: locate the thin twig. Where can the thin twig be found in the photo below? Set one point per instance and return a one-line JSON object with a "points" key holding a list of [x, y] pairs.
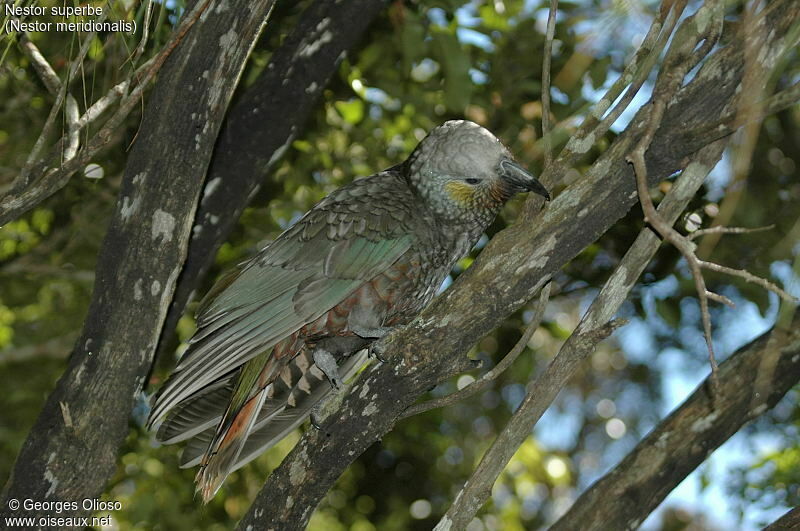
{"points": [[720, 298], [748, 277], [727, 230], [747, 106], [640, 76], [53, 85], [24, 177], [14, 204], [72, 115], [666, 86], [484, 381], [633, 77], [546, 61], [145, 32], [115, 93], [103, 103], [624, 497], [541, 392], [665, 230], [40, 64], [681, 58], [631, 80]]}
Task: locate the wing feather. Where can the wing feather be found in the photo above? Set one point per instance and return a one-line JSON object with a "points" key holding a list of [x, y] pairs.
{"points": [[346, 240]]}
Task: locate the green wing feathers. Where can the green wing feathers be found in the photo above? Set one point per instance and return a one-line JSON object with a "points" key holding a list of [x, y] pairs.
{"points": [[346, 240]]}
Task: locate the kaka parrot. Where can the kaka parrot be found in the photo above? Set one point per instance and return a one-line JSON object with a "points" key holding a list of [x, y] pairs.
{"points": [[279, 331]]}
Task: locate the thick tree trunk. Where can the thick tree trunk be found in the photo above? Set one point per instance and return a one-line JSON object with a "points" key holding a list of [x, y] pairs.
{"points": [[72, 449]]}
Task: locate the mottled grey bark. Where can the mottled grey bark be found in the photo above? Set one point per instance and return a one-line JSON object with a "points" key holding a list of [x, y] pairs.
{"points": [[71, 451], [626, 495], [262, 124], [507, 274], [790, 520]]}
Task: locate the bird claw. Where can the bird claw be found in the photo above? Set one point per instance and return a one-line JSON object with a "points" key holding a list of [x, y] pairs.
{"points": [[327, 364], [314, 422], [371, 333], [376, 351]]}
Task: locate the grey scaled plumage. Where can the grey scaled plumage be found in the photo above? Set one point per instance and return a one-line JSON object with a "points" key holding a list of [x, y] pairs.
{"points": [[276, 333]]}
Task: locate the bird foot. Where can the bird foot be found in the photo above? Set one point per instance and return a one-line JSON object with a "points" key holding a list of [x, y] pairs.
{"points": [[371, 333], [375, 349], [327, 364], [316, 420], [315, 423], [329, 404]]}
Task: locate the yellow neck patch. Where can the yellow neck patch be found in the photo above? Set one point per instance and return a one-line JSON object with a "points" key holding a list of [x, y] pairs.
{"points": [[460, 192]]}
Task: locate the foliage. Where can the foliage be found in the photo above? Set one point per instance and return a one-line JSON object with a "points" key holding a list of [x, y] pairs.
{"points": [[421, 63]]}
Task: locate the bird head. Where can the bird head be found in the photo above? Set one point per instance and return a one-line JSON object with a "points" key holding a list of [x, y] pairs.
{"points": [[465, 174]]}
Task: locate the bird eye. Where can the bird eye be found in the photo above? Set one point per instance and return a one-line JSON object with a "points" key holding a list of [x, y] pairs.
{"points": [[472, 181]]}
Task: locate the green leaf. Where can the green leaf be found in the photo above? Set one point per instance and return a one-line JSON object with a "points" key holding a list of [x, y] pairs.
{"points": [[412, 41], [457, 83], [491, 19], [352, 111], [302, 145]]}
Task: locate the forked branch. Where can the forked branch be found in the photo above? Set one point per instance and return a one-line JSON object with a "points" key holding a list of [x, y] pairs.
{"points": [[594, 326], [685, 54]]}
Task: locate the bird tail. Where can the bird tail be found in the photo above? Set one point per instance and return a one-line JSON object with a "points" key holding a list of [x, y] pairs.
{"points": [[247, 399], [219, 422]]}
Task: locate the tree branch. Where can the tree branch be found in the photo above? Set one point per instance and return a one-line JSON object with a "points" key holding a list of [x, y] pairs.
{"points": [[510, 270], [695, 38], [34, 157], [484, 381], [593, 328], [789, 521], [541, 392], [637, 70], [547, 57], [626, 495], [37, 181]]}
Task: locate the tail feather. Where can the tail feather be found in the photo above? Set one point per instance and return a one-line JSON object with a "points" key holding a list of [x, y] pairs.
{"points": [[239, 417], [267, 433], [284, 405], [224, 450], [198, 445], [198, 414]]}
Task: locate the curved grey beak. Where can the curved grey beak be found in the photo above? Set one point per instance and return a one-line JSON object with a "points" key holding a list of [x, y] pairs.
{"points": [[522, 179]]}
